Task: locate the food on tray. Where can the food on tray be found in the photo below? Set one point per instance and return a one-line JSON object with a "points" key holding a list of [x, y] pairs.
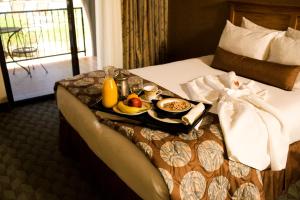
{"points": [[132, 95], [129, 109], [176, 105], [135, 102], [173, 105]]}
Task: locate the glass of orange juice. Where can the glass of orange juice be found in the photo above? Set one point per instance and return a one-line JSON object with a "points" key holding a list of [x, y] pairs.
{"points": [[109, 88]]}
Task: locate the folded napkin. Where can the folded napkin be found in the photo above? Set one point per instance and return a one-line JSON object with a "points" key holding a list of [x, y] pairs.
{"points": [[193, 114]]}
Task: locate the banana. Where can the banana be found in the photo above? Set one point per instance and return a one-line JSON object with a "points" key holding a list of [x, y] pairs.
{"points": [[128, 109]]}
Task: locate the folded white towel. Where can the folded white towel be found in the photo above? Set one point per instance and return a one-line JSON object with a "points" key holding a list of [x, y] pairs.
{"points": [[253, 130], [193, 114]]}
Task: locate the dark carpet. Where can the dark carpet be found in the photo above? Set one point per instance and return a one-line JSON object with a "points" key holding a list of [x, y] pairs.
{"points": [[31, 166]]}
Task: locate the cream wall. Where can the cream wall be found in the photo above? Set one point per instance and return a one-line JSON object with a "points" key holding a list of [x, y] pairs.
{"points": [[3, 97]]}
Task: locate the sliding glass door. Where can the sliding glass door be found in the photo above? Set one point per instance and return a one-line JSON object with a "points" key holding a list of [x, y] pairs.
{"points": [[41, 41]]}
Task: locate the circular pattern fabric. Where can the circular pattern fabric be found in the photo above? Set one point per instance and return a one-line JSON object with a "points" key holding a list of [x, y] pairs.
{"points": [[84, 82], [150, 134], [129, 132], [65, 83], [95, 89], [210, 155], [108, 122], [192, 135], [168, 179], [192, 186], [218, 188], [79, 76], [216, 130], [238, 170], [175, 153], [85, 99], [207, 120], [74, 91], [247, 191], [145, 148], [96, 74], [98, 85], [100, 80]]}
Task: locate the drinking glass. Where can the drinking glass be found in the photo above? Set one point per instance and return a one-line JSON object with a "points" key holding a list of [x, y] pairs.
{"points": [[135, 84]]}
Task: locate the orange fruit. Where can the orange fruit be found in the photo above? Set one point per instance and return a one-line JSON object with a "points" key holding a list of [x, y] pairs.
{"points": [[132, 95]]}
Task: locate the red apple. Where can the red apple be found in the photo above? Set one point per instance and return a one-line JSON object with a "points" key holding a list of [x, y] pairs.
{"points": [[135, 102]]}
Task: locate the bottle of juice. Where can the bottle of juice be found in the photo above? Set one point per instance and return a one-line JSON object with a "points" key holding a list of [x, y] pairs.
{"points": [[109, 88]]}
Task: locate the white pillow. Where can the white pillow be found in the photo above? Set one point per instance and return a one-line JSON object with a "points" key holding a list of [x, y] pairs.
{"points": [[282, 50], [293, 33], [246, 23], [245, 42], [286, 50]]}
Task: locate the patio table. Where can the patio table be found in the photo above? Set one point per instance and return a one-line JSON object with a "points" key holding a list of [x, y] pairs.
{"points": [[12, 31]]}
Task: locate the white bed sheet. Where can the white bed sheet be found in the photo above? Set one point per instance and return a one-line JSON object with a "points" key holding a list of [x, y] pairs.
{"points": [[172, 75]]}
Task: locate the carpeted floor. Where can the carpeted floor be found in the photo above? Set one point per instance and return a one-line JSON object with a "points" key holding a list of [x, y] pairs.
{"points": [[31, 166], [293, 192]]}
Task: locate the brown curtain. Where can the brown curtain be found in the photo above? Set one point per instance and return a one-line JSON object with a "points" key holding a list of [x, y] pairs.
{"points": [[144, 26]]}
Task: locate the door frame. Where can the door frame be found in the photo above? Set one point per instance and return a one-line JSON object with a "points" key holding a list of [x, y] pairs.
{"points": [[5, 75], [73, 41]]}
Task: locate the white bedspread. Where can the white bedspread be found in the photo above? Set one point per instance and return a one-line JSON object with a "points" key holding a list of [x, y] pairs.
{"points": [[253, 129], [172, 76]]}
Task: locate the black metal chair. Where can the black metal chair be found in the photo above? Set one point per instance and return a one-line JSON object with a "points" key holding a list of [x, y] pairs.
{"points": [[27, 47]]}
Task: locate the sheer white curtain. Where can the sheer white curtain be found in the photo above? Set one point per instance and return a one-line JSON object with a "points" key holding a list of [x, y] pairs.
{"points": [[109, 33]]}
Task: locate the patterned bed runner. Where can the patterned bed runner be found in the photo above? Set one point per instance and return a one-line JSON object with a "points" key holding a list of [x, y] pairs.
{"points": [[194, 165]]}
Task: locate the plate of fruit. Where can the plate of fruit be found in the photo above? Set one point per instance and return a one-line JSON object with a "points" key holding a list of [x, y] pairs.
{"points": [[133, 105]]}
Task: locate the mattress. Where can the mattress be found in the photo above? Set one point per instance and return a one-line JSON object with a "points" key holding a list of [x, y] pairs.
{"points": [[136, 170]]}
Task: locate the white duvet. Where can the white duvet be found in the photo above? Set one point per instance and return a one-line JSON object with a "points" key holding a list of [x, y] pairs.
{"points": [[172, 77]]}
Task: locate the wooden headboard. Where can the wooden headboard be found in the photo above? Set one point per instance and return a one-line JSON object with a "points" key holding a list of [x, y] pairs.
{"points": [[270, 15]]}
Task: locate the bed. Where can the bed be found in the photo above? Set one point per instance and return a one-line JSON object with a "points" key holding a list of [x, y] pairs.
{"points": [[128, 174]]}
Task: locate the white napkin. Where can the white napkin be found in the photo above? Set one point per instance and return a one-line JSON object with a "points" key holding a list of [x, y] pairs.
{"points": [[193, 114]]}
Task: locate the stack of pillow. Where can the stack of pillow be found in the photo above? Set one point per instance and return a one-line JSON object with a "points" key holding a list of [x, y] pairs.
{"points": [[266, 55]]}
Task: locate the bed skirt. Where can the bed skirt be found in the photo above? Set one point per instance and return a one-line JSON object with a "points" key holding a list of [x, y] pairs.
{"points": [[102, 178], [276, 183]]}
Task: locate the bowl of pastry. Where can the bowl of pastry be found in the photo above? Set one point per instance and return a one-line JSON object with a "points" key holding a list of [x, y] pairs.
{"points": [[174, 105]]}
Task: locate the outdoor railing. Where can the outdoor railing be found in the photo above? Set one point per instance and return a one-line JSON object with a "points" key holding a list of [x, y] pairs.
{"points": [[46, 30]]}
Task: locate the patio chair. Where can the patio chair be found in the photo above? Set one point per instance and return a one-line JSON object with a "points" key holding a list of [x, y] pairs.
{"points": [[27, 46]]}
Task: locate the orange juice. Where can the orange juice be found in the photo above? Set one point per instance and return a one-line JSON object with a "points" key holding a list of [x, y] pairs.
{"points": [[109, 90]]}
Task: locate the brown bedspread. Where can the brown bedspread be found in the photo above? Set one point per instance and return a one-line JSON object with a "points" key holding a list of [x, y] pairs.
{"points": [[193, 165]]}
